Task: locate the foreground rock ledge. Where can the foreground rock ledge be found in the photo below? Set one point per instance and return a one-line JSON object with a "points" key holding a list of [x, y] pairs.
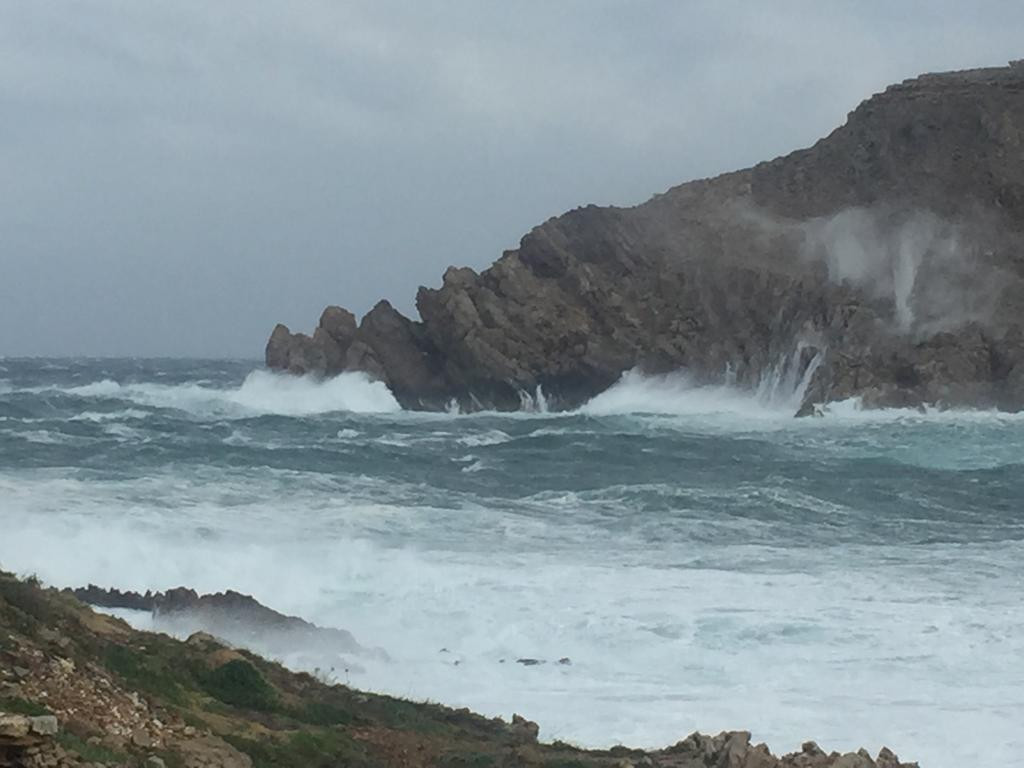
{"points": [[885, 262], [79, 688]]}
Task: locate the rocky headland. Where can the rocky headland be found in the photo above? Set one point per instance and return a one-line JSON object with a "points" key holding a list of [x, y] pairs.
{"points": [[235, 619], [885, 262], [80, 689]]}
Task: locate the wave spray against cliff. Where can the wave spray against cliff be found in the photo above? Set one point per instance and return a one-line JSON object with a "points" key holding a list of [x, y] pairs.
{"points": [[778, 394]]}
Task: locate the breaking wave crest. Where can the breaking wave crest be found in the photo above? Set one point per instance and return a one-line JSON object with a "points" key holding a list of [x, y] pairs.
{"points": [[778, 394], [676, 394], [262, 393]]}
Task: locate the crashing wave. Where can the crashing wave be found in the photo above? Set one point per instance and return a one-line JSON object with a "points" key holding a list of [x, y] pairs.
{"points": [[779, 392], [262, 393]]}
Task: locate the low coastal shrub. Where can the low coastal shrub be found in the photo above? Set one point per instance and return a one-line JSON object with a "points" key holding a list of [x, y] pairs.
{"points": [[240, 684], [18, 706], [29, 599], [90, 753], [147, 671], [322, 713], [472, 760], [325, 749]]}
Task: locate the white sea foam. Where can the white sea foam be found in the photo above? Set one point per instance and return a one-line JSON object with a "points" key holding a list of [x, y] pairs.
{"points": [[262, 392], [299, 396], [125, 433], [779, 393], [853, 410], [45, 437], [95, 417], [491, 437], [855, 647], [676, 394]]}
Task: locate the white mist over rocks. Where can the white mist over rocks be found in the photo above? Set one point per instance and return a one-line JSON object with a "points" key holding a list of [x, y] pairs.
{"points": [[923, 264], [704, 560]]}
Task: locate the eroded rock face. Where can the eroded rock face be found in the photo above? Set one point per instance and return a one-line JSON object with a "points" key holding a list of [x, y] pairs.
{"points": [[885, 262], [322, 354]]}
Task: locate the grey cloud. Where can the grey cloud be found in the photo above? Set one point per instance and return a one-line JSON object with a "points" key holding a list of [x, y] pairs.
{"points": [[177, 177]]}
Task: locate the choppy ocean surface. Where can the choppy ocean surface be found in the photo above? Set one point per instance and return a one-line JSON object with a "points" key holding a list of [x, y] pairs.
{"points": [[704, 559]]}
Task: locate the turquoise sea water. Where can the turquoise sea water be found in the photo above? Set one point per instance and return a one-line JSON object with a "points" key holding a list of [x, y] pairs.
{"points": [[703, 558]]}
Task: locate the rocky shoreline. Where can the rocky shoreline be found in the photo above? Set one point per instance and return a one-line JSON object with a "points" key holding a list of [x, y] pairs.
{"points": [[79, 688], [886, 262]]}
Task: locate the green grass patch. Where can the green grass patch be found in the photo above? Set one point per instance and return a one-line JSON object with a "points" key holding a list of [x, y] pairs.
{"points": [[323, 713], [90, 753], [469, 760], [30, 602], [18, 706], [304, 749], [403, 715], [171, 759], [240, 684], [146, 671]]}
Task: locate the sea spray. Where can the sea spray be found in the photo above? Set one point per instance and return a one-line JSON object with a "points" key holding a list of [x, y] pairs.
{"points": [[778, 394], [784, 384], [535, 403], [262, 392]]}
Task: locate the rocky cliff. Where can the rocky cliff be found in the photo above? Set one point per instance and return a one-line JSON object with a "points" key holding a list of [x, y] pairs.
{"points": [[885, 262]]}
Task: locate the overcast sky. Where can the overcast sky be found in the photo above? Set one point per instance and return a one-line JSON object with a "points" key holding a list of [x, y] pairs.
{"points": [[176, 177]]}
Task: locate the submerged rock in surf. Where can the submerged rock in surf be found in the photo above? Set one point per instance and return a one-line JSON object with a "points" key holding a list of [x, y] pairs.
{"points": [[881, 263]]}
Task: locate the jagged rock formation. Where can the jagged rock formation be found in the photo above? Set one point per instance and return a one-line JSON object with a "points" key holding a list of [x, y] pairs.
{"points": [[886, 261]]}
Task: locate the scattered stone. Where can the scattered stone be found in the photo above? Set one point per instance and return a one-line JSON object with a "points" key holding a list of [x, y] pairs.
{"points": [[14, 726], [210, 751], [44, 725], [114, 742], [142, 739], [524, 730]]}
